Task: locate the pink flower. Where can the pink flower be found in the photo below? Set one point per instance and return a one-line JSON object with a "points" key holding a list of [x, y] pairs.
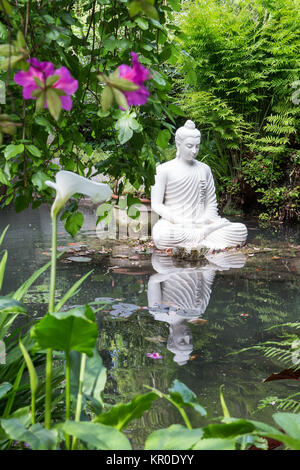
{"points": [[154, 355], [42, 71], [138, 74]]}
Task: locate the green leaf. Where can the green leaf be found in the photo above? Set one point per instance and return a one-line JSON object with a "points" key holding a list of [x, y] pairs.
{"points": [[215, 444], [290, 423], [183, 396], [36, 436], [94, 378], [126, 125], [175, 4], [3, 177], [74, 223], [229, 430], [223, 404], [71, 291], [176, 110], [123, 84], [97, 435], [2, 267], [52, 79], [120, 415], [176, 437], [21, 43], [68, 18], [9, 305], [106, 98], [31, 369], [34, 150], [13, 150], [11, 61], [4, 388], [54, 103], [42, 121], [8, 127], [21, 291], [159, 80], [38, 82], [5, 6], [67, 331], [6, 50], [163, 138], [22, 200], [150, 11], [120, 98], [142, 23], [38, 180], [135, 8], [3, 234], [110, 44]]}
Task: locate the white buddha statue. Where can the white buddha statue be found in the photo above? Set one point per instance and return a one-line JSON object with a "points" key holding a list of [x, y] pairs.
{"points": [[179, 293], [184, 197]]}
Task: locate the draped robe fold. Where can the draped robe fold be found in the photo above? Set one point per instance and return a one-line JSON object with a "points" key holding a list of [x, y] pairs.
{"points": [[178, 196]]}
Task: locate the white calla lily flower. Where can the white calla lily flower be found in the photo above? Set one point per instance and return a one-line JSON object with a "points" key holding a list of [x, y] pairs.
{"points": [[68, 183]]}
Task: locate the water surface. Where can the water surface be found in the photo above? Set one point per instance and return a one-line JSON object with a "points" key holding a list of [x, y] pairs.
{"points": [[194, 315]]}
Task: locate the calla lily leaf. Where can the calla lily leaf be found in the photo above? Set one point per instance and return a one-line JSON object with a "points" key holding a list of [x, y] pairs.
{"points": [[75, 330]]}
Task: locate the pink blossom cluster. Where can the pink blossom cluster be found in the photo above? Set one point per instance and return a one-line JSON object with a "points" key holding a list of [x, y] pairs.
{"points": [[42, 71], [37, 77]]}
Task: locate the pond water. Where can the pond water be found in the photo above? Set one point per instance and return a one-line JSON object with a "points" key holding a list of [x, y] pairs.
{"points": [[194, 315]]}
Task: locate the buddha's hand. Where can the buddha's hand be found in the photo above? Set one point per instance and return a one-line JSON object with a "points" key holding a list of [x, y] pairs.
{"points": [[208, 221], [212, 227]]}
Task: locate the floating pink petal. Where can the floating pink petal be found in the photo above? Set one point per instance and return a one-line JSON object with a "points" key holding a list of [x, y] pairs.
{"points": [[154, 355]]}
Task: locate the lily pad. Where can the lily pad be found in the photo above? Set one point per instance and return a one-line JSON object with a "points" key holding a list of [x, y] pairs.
{"points": [[80, 259], [123, 310]]}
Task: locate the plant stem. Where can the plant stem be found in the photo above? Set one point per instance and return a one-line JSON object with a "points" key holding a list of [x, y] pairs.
{"points": [[79, 396], [53, 264], [51, 310], [68, 396], [32, 408], [181, 411], [185, 418], [11, 399], [48, 389]]}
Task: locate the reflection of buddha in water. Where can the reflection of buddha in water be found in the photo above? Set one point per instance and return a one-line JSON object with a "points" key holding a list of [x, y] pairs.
{"points": [[184, 197], [177, 295]]}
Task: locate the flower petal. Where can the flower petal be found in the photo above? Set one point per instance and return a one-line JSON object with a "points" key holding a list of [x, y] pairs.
{"points": [[66, 102], [126, 72], [137, 97], [27, 78], [66, 82], [68, 183], [141, 73], [27, 90], [47, 68]]}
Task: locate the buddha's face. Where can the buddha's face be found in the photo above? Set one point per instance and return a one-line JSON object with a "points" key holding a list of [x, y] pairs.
{"points": [[189, 148]]}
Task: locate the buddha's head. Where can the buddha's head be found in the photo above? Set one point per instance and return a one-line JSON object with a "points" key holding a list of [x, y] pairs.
{"points": [[180, 342], [187, 139]]}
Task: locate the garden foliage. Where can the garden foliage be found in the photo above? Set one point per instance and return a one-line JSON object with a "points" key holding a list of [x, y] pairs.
{"points": [[240, 84], [90, 38]]}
